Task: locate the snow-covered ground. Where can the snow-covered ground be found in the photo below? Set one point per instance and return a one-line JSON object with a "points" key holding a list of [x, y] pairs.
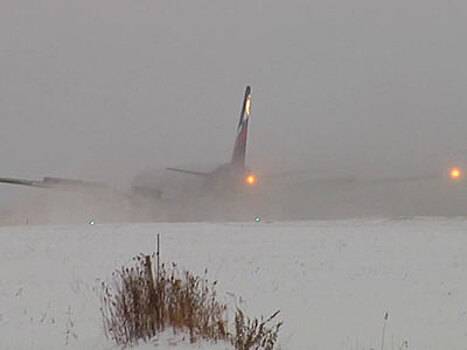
{"points": [[332, 280]]}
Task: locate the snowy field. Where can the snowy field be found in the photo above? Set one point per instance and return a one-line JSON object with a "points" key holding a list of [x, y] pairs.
{"points": [[332, 280]]}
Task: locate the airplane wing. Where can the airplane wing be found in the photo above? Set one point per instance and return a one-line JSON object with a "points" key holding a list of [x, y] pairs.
{"points": [[58, 184], [401, 179], [302, 177], [85, 187], [189, 172]]}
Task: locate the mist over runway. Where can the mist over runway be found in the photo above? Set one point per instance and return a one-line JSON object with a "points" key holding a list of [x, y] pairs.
{"points": [[280, 200], [360, 91]]}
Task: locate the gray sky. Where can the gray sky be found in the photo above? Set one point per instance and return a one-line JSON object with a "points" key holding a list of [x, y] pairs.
{"points": [[104, 89]]}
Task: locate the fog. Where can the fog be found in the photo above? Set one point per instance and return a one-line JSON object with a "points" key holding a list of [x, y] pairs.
{"points": [[111, 89]]}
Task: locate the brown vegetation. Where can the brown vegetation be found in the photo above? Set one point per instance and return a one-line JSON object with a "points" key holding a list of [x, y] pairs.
{"points": [[142, 302]]}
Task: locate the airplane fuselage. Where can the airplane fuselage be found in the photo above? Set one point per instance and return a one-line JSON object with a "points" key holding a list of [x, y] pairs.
{"points": [[230, 177]]}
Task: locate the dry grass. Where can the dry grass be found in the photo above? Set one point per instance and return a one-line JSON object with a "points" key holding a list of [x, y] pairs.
{"points": [[255, 334], [141, 302]]}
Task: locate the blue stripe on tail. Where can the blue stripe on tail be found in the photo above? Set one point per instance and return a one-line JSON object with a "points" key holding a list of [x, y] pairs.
{"points": [[239, 152]]}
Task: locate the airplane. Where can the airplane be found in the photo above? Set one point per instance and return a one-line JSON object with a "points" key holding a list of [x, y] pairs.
{"points": [[231, 176]]}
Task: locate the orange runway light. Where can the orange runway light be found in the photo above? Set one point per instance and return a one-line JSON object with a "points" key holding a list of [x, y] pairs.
{"points": [[251, 180], [455, 174]]}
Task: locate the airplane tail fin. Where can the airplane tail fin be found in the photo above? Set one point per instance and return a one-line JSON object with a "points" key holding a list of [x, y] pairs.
{"points": [[239, 152]]}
